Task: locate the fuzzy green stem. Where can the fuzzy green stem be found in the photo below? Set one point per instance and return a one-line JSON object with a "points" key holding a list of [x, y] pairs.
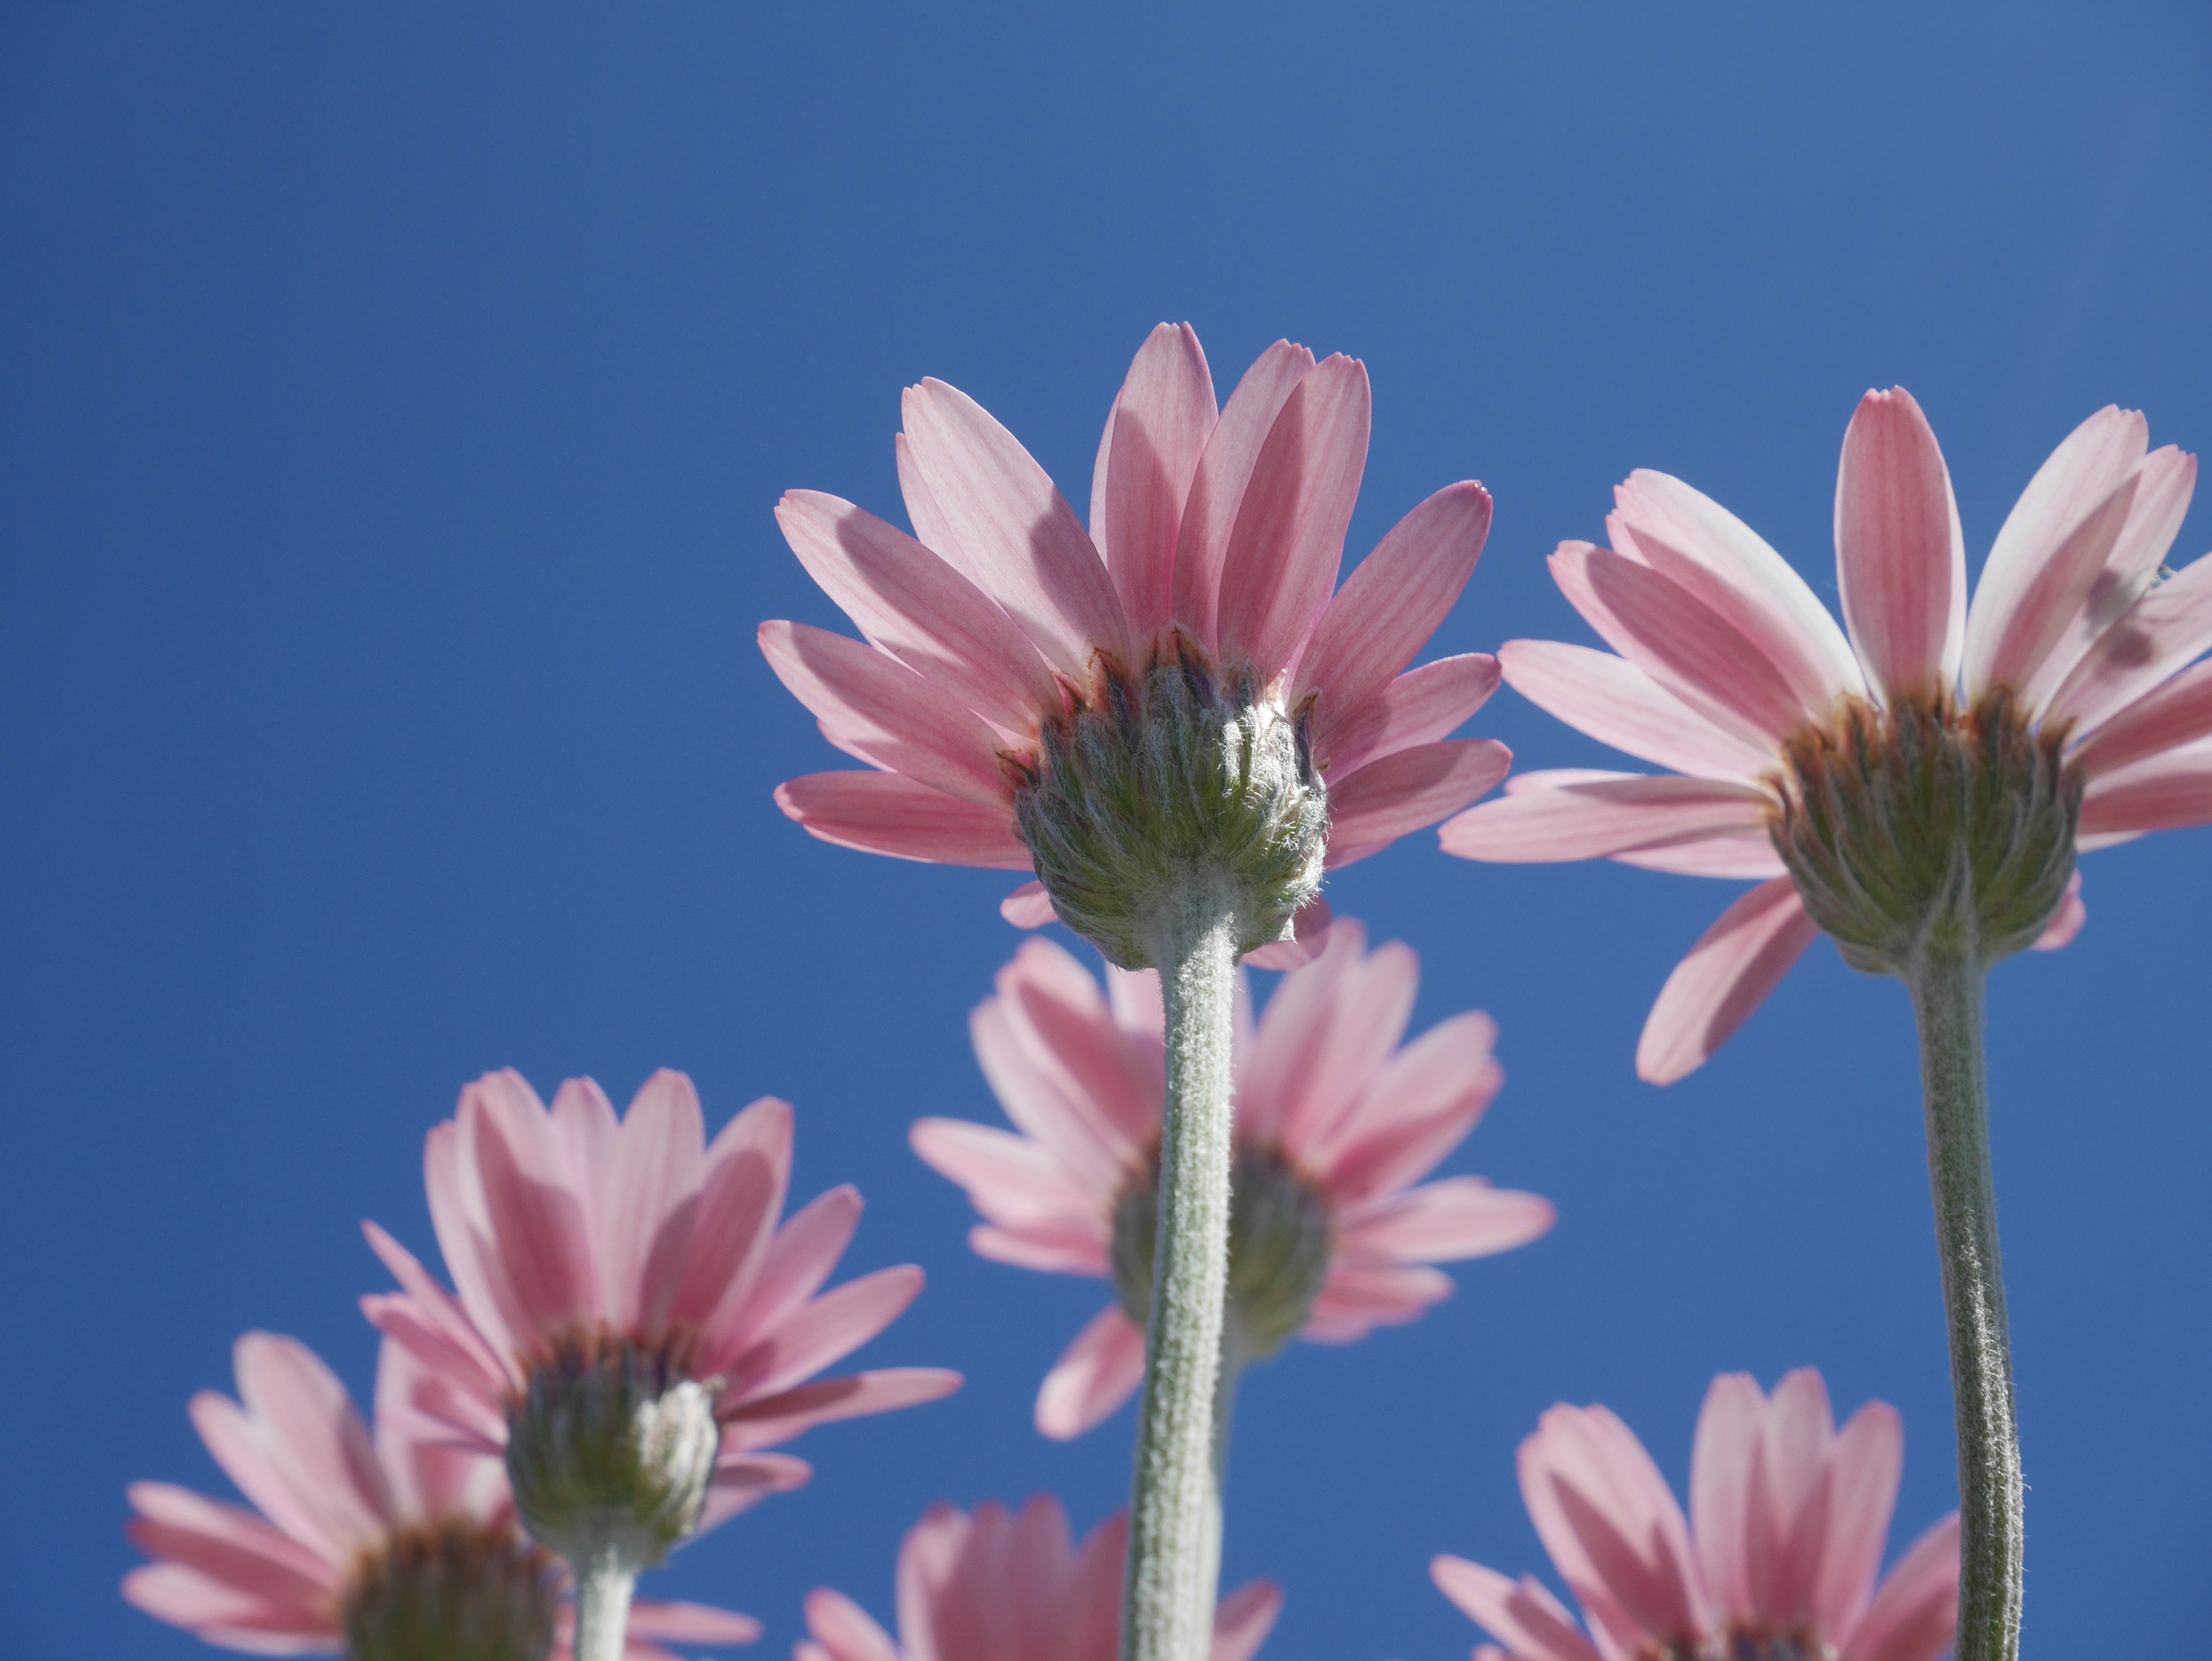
{"points": [[1947, 995], [605, 1579], [1167, 1601]]}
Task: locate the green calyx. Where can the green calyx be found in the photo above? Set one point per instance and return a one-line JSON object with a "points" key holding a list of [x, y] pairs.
{"points": [[1920, 830], [610, 1447], [456, 1590], [1185, 775], [1279, 1237]]}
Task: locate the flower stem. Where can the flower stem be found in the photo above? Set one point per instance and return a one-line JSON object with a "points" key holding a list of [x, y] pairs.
{"points": [[1946, 996], [605, 1579], [1167, 1601]]}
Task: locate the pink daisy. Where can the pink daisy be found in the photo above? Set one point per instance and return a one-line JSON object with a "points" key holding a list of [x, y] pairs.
{"points": [[574, 1238], [1010, 1586], [375, 1545], [1779, 1559], [1335, 1123], [2073, 667], [1214, 544]]}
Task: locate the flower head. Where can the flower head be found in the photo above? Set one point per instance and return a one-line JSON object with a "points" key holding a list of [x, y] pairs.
{"points": [[389, 1546], [1919, 784], [1779, 1559], [1336, 1124], [632, 1327], [1181, 687], [1010, 1586]]}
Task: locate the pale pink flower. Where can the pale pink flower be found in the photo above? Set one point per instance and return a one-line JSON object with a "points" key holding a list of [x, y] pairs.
{"points": [[2077, 639], [342, 1518], [569, 1233], [1214, 538], [1010, 1586], [1779, 1559], [1335, 1125]]}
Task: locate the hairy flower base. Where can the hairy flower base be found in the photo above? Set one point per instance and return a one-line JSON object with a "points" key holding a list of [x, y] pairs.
{"points": [[611, 1446], [1922, 828], [1280, 1233], [455, 1591], [1189, 773]]}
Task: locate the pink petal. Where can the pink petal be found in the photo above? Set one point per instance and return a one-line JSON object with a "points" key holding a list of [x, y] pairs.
{"points": [[1155, 433], [1521, 1612], [1690, 649], [1243, 1620], [653, 1202], [1449, 1221], [1029, 906], [229, 1544], [798, 1259], [1724, 1470], [845, 1630], [1748, 856], [691, 1623], [2163, 488], [873, 706], [1429, 1096], [826, 1330], [1010, 1179], [2066, 922], [2178, 713], [1097, 1372], [1013, 528], [2152, 640], [1216, 489], [1683, 534], [416, 1441], [484, 1370], [748, 1172], [2053, 545], [222, 1614], [1915, 1615], [537, 1223], [1308, 939], [1788, 1509], [1066, 1069], [1052, 1249], [1417, 708], [1865, 1468], [1617, 703], [1727, 974], [1309, 1023], [2169, 791], [585, 1132], [1900, 560], [742, 1481], [885, 813], [312, 1440], [456, 1199], [1392, 603], [914, 606], [1362, 1293], [1592, 817], [828, 1401], [1408, 791]]}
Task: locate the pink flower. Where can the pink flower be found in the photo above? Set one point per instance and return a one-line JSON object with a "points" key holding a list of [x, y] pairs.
{"points": [[570, 1235], [352, 1532], [2077, 648], [1215, 540], [1335, 1123], [1778, 1560], [1001, 1586]]}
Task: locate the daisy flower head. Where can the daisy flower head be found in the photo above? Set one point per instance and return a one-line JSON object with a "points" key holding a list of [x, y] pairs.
{"points": [[1001, 1585], [1778, 1560], [1916, 782], [383, 1545], [1179, 693], [1332, 1231]]}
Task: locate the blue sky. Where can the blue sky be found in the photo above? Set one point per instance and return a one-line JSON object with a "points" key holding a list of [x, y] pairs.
{"points": [[396, 399]]}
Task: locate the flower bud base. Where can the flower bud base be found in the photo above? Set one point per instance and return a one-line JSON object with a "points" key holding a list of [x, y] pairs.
{"points": [[453, 1591]]}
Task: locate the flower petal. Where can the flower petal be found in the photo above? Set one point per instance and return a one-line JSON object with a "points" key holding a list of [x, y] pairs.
{"points": [[828, 1401], [1865, 1469], [1594, 818], [1288, 540], [2163, 488], [890, 813], [1727, 974], [1242, 1620], [1520, 1612], [1013, 528], [1049, 1247], [1407, 791], [1724, 1470], [846, 1631], [1419, 707], [1449, 1221], [1029, 906], [2168, 791], [1216, 489], [653, 1202], [1155, 433], [1617, 703], [826, 1330], [2153, 639], [2066, 922], [1748, 856], [1012, 1180], [691, 1623], [1901, 559], [1915, 1615], [2176, 714], [1097, 1372]]}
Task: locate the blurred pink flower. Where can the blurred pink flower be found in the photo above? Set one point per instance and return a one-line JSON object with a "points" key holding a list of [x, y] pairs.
{"points": [[568, 1232], [1213, 537], [1335, 1124], [345, 1522], [1728, 660], [1002, 1587], [1778, 1560]]}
